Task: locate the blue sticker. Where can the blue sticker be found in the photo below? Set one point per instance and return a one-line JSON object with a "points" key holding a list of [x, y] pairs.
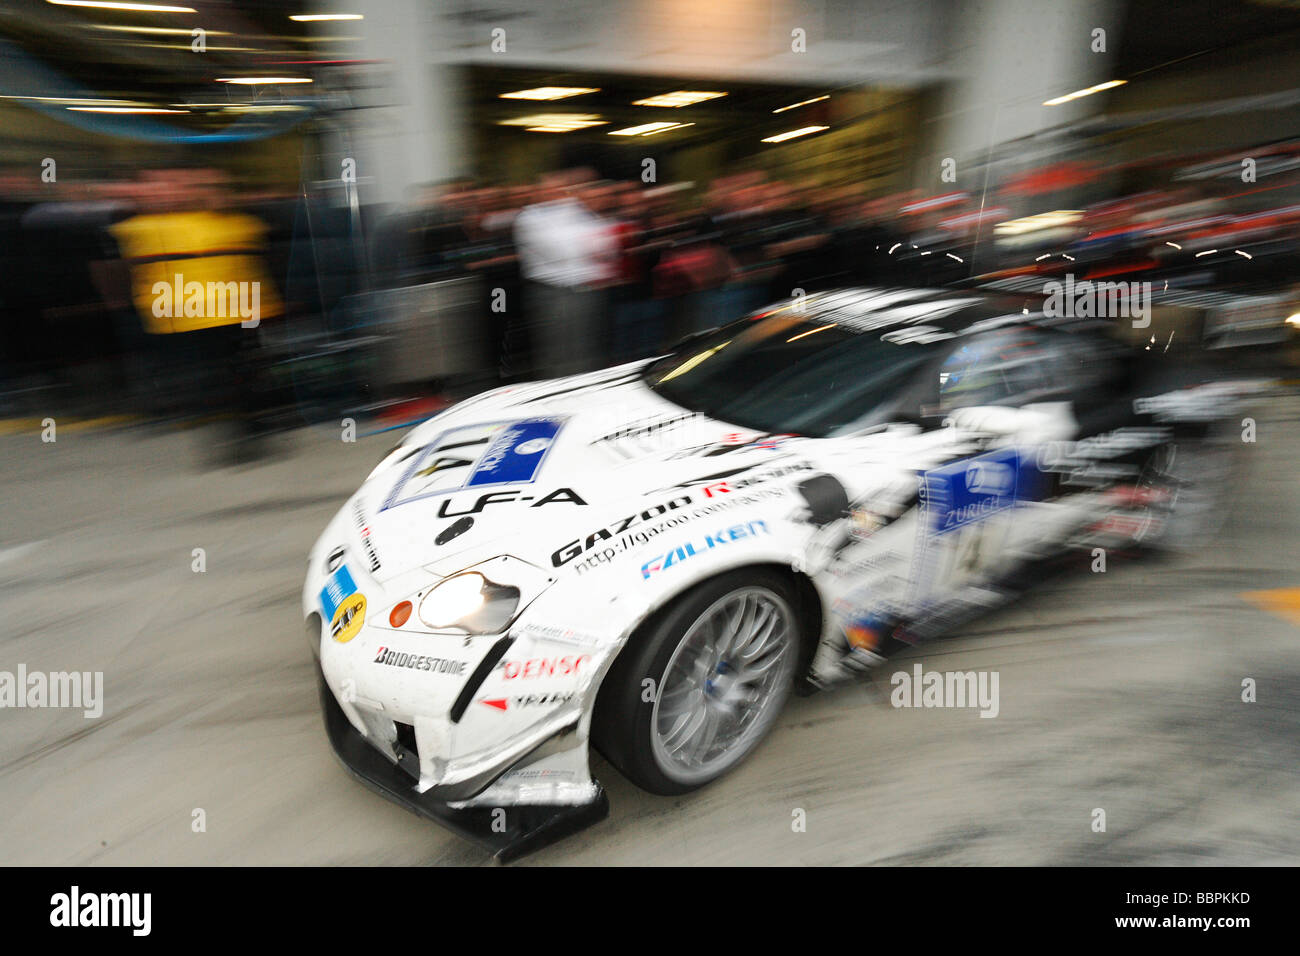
{"points": [[339, 586], [966, 491], [488, 453], [516, 453]]}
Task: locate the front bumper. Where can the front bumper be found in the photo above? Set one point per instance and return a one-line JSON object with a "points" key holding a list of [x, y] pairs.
{"points": [[527, 827]]}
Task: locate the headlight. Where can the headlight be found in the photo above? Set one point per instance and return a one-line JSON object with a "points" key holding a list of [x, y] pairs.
{"points": [[469, 602]]}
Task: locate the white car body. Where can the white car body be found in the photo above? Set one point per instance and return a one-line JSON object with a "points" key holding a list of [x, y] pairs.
{"points": [[601, 502]]}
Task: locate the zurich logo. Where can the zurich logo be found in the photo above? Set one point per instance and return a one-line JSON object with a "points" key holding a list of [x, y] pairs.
{"points": [[990, 478]]}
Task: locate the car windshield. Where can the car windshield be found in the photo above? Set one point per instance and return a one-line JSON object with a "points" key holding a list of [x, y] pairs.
{"points": [[787, 373]]}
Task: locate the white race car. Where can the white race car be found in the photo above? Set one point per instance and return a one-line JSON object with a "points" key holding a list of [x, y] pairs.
{"points": [[652, 557]]}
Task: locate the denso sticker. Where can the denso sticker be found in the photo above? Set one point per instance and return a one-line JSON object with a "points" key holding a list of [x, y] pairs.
{"points": [[543, 667]]}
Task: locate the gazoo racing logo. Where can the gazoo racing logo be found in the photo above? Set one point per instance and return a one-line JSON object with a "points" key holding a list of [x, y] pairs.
{"points": [[575, 549], [689, 550]]}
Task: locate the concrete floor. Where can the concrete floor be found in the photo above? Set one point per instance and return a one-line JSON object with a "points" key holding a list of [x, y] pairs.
{"points": [[1119, 691]]}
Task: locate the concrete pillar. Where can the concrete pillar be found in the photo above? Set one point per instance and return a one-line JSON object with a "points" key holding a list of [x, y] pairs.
{"points": [[1012, 55], [412, 129]]}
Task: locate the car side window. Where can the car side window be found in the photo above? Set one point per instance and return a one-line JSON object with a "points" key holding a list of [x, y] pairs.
{"points": [[1017, 366]]}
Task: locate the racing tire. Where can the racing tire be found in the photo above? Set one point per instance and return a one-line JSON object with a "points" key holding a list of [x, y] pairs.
{"points": [[703, 682], [1194, 475]]}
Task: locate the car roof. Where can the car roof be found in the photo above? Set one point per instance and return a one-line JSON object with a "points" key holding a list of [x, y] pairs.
{"points": [[957, 311]]}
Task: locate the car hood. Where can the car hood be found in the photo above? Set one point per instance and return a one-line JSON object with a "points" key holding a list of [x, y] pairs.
{"points": [[524, 470]]}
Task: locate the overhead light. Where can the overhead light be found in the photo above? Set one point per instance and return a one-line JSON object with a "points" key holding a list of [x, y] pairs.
{"points": [[679, 98], [549, 93], [1174, 244], [782, 137], [262, 108], [656, 132], [74, 101], [795, 106], [647, 129], [1246, 254], [259, 80], [1293, 319], [312, 17], [1207, 252], [1109, 84], [114, 5], [122, 109], [555, 122], [156, 31], [1043, 220]]}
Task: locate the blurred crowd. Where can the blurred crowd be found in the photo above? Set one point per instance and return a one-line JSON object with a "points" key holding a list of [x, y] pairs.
{"points": [[570, 273], [578, 272]]}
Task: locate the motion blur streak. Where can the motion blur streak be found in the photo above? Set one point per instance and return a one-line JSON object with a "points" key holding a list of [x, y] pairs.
{"points": [[244, 246]]}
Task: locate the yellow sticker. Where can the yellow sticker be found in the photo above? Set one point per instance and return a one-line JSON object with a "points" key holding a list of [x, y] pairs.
{"points": [[349, 617]]}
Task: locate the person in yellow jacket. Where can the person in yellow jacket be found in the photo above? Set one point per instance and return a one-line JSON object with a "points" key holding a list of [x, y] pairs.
{"points": [[198, 278], [194, 264]]}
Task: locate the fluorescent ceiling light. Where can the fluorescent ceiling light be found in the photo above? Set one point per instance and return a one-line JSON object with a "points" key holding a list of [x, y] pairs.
{"points": [[782, 137], [1044, 220], [549, 93], [795, 106], [262, 108], [555, 122], [121, 109], [679, 98], [1109, 84], [656, 132], [75, 101], [114, 5], [157, 31], [312, 17], [648, 129], [258, 80]]}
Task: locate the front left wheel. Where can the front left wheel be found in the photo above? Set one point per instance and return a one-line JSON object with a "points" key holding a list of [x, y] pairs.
{"points": [[695, 693]]}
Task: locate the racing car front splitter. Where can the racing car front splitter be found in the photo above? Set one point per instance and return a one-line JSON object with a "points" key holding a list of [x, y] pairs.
{"points": [[526, 828]]}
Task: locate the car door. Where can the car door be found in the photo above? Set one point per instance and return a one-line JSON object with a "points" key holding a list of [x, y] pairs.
{"points": [[1003, 394]]}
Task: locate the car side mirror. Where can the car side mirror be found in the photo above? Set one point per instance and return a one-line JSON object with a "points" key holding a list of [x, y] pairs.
{"points": [[825, 497]]}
